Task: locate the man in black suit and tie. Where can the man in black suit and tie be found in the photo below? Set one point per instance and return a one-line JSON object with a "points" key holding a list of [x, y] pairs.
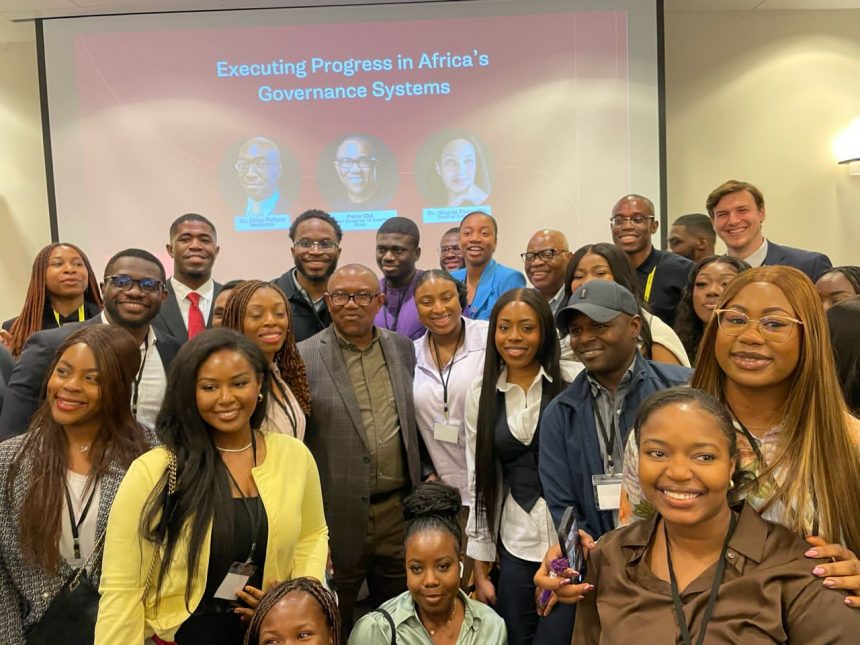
{"points": [[737, 210], [191, 291], [133, 291], [362, 432]]}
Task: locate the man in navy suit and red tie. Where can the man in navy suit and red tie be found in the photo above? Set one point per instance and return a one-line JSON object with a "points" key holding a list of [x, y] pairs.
{"points": [[737, 210]]}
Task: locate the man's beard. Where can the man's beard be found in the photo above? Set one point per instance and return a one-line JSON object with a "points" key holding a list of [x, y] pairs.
{"points": [[317, 278]]}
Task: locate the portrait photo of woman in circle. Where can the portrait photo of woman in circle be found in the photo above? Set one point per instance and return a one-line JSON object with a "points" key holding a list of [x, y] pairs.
{"points": [[455, 170]]}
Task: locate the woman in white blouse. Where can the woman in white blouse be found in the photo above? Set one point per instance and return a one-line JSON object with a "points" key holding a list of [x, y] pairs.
{"points": [[261, 311], [509, 521]]}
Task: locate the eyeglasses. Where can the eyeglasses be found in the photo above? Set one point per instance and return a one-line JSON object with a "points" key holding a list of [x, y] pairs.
{"points": [[124, 282], [362, 298], [260, 165], [449, 249], [638, 220], [545, 255], [364, 162], [773, 328], [322, 245]]}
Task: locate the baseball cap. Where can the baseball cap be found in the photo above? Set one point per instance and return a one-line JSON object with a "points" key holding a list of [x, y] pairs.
{"points": [[600, 300]]}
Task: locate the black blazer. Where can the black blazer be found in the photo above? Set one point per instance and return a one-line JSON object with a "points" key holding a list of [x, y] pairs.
{"points": [[169, 318], [812, 263], [26, 383]]}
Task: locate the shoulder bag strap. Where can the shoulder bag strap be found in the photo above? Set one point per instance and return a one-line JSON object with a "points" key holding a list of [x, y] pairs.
{"points": [[390, 622]]}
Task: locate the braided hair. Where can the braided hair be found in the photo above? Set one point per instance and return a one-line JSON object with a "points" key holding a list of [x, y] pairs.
{"points": [[433, 506], [310, 586], [288, 360], [29, 320]]}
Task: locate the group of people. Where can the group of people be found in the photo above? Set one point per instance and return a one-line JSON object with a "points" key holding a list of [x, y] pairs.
{"points": [[244, 462]]}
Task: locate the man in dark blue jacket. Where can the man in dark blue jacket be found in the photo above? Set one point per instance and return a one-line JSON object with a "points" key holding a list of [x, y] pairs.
{"points": [[583, 430]]}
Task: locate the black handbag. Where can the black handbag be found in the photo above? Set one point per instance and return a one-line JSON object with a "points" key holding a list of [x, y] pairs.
{"points": [[71, 617]]}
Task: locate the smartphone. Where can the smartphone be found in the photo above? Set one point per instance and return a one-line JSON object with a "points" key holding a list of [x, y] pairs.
{"points": [[568, 539]]}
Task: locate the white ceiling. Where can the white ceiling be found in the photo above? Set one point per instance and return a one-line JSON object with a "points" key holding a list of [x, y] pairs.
{"points": [[29, 9]]}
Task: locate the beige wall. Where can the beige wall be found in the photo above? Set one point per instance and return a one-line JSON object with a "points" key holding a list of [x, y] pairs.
{"points": [[760, 96], [24, 227]]}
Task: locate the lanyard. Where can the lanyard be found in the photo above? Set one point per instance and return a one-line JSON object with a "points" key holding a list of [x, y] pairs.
{"points": [[80, 315], [256, 519], [444, 380], [608, 439], [286, 407], [715, 588], [649, 284], [76, 525], [139, 377]]}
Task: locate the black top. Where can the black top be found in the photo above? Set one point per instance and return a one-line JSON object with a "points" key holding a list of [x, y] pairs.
{"points": [[670, 278], [49, 322], [307, 320], [213, 622]]}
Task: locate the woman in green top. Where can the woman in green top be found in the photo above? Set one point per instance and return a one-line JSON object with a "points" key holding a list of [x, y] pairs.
{"points": [[434, 610]]}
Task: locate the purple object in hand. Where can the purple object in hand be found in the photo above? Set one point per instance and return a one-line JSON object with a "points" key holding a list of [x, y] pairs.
{"points": [[556, 569]]}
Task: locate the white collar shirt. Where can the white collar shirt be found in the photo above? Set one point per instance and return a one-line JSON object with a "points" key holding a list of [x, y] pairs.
{"points": [[205, 292], [756, 259]]}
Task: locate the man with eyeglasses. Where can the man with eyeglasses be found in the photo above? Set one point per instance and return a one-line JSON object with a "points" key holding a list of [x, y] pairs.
{"points": [[356, 165], [362, 432], [258, 169], [397, 251], [662, 275], [191, 292], [316, 237], [133, 291], [545, 262], [450, 253]]}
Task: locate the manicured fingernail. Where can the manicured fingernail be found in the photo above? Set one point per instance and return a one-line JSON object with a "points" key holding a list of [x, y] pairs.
{"points": [[812, 553], [818, 571], [829, 582], [589, 587], [565, 581], [849, 602]]}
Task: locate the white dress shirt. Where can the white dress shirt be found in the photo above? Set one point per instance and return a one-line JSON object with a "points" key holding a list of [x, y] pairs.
{"points": [[526, 535], [449, 459], [205, 292], [756, 259]]}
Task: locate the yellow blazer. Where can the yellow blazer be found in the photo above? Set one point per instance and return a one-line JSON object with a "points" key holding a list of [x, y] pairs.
{"points": [[297, 544]]}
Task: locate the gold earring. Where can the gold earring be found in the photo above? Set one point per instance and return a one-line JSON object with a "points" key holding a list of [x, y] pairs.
{"points": [[731, 484], [260, 397]]}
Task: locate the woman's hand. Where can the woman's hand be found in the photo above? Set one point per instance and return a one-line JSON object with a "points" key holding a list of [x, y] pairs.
{"points": [[251, 597], [562, 587], [485, 590], [842, 573]]}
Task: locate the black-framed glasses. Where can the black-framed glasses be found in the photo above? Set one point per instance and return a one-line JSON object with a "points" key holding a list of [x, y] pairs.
{"points": [[260, 165], [545, 255], [362, 298], [322, 245], [124, 282], [773, 328], [638, 220], [364, 162]]}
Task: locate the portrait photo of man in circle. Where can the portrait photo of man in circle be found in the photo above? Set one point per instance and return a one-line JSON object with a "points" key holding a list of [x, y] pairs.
{"points": [[357, 173]]}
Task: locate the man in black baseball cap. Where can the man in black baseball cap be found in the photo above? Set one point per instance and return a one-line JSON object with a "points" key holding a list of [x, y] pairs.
{"points": [[584, 430]]}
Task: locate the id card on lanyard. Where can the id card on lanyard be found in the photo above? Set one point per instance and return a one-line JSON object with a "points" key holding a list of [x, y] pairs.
{"points": [[607, 487]]}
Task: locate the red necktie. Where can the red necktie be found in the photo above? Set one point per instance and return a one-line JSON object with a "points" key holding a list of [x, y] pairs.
{"points": [[195, 316]]}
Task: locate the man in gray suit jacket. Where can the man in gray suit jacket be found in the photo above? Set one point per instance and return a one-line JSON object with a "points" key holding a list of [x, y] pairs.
{"points": [[362, 432]]}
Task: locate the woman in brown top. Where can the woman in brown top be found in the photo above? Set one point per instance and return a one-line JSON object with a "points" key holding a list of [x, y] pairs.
{"points": [[698, 570]]}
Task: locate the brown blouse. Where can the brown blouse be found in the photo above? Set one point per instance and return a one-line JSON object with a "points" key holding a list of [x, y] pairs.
{"points": [[768, 594]]}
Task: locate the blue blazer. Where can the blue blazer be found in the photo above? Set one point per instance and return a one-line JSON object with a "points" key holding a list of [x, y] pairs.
{"points": [[569, 448], [812, 263], [495, 280]]}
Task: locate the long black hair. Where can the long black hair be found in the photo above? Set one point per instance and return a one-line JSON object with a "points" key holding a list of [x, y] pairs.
{"points": [[622, 272], [688, 326], [486, 482], [201, 476], [844, 321]]}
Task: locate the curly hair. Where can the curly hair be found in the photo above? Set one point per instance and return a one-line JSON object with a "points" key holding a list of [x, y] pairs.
{"points": [[273, 596], [287, 359], [29, 320]]}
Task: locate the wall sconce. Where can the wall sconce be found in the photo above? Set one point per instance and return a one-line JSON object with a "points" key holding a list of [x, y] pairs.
{"points": [[846, 147]]}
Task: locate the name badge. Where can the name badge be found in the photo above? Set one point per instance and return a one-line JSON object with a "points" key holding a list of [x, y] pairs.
{"points": [[607, 491], [447, 432], [235, 580]]}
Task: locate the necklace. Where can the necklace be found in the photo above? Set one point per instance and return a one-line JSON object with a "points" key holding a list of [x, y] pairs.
{"points": [[242, 449], [447, 622], [84, 448]]}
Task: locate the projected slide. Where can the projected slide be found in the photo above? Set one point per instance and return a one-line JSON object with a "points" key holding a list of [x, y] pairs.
{"points": [[526, 116]]}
